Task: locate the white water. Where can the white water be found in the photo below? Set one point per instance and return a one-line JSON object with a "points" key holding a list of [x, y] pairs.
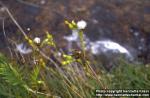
{"points": [[98, 47], [106, 45], [23, 49]]}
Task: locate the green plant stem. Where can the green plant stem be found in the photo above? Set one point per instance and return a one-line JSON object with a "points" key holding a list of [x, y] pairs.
{"points": [[37, 92], [82, 41]]}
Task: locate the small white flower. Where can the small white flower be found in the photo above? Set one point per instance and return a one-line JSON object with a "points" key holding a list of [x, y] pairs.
{"points": [[37, 40], [59, 54], [81, 24], [28, 29]]}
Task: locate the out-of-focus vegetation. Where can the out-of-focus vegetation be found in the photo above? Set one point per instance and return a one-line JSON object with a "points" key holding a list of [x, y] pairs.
{"points": [[72, 76], [18, 81]]}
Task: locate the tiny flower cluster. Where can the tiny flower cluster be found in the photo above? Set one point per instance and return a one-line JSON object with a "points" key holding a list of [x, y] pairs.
{"points": [[67, 59], [36, 42], [80, 25], [47, 41]]}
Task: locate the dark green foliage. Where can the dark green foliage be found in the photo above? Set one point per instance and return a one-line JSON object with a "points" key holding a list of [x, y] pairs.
{"points": [[19, 82], [130, 76], [11, 84]]}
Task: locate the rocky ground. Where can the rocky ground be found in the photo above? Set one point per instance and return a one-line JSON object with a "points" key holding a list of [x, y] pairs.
{"points": [[124, 21]]}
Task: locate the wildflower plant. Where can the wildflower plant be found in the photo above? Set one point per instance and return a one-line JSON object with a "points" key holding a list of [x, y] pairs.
{"points": [[75, 79], [72, 76], [79, 27], [48, 40]]}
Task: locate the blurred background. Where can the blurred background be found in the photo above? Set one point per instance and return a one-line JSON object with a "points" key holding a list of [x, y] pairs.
{"points": [[125, 22]]}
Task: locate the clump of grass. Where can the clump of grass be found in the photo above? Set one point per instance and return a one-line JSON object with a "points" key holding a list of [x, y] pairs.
{"points": [[68, 81], [131, 76], [73, 77]]}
